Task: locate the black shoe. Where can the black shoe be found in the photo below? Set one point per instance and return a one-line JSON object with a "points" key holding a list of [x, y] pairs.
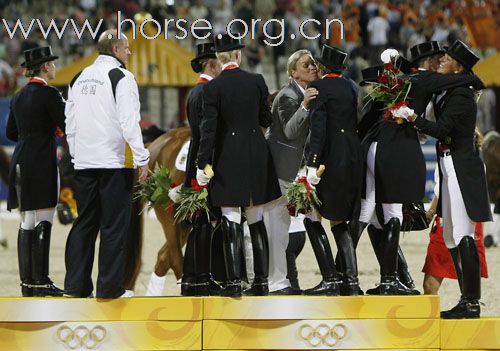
{"points": [[465, 309], [47, 288], [388, 285], [215, 288], [403, 289], [373, 291], [286, 291], [350, 289], [188, 286], [323, 289], [259, 287], [232, 289]]}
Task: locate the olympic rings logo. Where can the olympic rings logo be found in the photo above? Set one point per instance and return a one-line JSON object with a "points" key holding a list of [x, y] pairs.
{"points": [[81, 336], [323, 334]]}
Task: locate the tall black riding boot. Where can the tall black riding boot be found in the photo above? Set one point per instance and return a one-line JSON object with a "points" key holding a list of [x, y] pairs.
{"points": [[260, 248], [347, 255], [455, 255], [323, 252], [205, 286], [40, 251], [356, 229], [405, 282], [232, 234], [296, 243], [389, 264], [468, 306], [24, 238], [188, 279], [376, 238], [406, 285]]}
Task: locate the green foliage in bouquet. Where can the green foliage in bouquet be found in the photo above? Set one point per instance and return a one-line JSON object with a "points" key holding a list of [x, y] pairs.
{"points": [[193, 203], [302, 197], [155, 188]]}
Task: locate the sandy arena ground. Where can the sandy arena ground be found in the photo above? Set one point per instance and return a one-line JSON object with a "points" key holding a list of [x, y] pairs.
{"points": [[414, 246]]}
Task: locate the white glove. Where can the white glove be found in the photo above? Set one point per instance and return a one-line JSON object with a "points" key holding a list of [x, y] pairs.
{"points": [[388, 55], [175, 194], [312, 177], [202, 177], [403, 112]]}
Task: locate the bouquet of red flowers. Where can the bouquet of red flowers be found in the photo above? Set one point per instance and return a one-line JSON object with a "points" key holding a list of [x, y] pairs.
{"points": [[302, 197], [392, 91], [193, 202]]}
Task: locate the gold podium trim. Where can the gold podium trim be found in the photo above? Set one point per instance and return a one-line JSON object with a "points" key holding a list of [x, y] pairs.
{"points": [[320, 307], [132, 309]]}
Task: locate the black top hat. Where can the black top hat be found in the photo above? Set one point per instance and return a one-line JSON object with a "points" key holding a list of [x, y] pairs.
{"points": [[226, 42], [404, 65], [332, 58], [37, 56], [422, 50], [463, 54], [203, 51], [370, 74]]}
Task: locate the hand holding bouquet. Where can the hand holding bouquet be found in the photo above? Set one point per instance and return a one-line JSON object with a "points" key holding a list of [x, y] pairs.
{"points": [[155, 189], [392, 89], [302, 197], [193, 202]]}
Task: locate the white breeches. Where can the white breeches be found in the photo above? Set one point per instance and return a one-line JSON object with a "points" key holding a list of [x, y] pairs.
{"points": [[367, 214], [253, 214], [456, 221]]}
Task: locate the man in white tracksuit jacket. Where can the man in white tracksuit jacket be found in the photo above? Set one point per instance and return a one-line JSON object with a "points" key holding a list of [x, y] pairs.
{"points": [[105, 142]]}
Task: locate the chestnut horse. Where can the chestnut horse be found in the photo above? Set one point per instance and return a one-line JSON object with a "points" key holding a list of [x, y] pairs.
{"points": [[163, 151]]}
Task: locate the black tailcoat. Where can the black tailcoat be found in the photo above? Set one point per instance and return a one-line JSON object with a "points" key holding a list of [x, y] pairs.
{"points": [[235, 106], [194, 115], [456, 123], [334, 142], [35, 112], [400, 171]]}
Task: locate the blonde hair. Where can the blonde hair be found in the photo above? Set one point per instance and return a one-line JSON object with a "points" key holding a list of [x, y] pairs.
{"points": [[35, 70], [293, 59], [227, 56]]}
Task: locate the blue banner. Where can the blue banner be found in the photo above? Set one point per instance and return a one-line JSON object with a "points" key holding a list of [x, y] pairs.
{"points": [[429, 150], [4, 115]]}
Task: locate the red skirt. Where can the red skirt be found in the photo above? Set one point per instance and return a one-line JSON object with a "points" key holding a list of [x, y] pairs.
{"points": [[439, 262]]}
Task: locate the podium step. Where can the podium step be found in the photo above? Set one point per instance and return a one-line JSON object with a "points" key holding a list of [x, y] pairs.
{"points": [[247, 323], [321, 334], [471, 334]]}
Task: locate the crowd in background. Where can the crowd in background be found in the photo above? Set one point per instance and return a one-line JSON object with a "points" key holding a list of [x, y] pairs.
{"points": [[369, 26]]}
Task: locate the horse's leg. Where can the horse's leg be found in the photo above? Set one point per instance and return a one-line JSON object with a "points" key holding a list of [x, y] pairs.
{"points": [[157, 280], [175, 247]]}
